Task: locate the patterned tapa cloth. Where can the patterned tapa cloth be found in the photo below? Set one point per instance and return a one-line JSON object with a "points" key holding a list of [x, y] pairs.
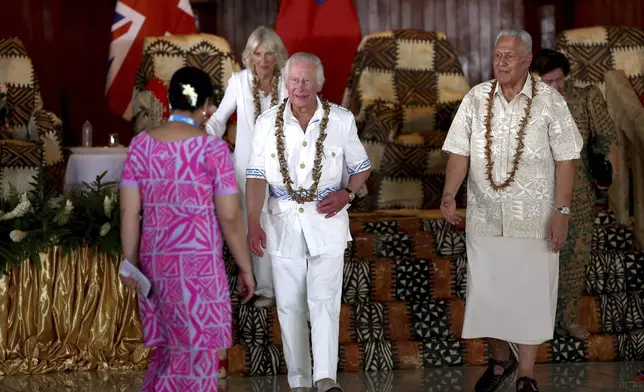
{"points": [[594, 50], [163, 56], [404, 89], [39, 131], [588, 108], [404, 300]]}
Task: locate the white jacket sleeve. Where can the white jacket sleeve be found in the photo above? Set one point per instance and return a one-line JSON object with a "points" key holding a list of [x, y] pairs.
{"points": [[216, 124]]}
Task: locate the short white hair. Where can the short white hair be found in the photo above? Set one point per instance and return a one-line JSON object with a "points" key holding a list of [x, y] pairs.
{"points": [[525, 37], [311, 58], [268, 38]]}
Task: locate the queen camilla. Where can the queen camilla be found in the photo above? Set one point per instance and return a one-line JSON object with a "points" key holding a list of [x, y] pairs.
{"points": [[251, 92]]}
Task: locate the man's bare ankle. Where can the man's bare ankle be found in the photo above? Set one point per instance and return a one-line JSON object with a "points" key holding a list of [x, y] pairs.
{"points": [[526, 373]]}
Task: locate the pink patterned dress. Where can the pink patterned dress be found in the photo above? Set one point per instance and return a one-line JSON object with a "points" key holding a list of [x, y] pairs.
{"points": [[188, 316]]}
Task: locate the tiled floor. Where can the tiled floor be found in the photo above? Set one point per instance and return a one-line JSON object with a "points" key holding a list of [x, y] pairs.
{"points": [[591, 377]]}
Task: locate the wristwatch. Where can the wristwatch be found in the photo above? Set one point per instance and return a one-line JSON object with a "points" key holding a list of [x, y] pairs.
{"points": [[564, 210], [352, 195]]}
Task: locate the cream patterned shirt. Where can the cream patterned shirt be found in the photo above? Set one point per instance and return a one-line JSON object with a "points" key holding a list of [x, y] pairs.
{"points": [[524, 209]]}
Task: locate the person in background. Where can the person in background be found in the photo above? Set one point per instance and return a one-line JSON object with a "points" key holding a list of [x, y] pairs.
{"points": [[517, 140], [599, 157], [300, 149], [184, 183], [251, 92]]}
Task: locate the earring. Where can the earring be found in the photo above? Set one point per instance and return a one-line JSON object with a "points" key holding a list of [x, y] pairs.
{"points": [[204, 113]]}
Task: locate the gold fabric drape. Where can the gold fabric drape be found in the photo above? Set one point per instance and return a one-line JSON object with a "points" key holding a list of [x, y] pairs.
{"points": [[103, 381], [71, 314]]}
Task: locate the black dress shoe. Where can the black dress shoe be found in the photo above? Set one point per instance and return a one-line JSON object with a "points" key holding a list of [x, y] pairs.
{"points": [[489, 381], [527, 384]]}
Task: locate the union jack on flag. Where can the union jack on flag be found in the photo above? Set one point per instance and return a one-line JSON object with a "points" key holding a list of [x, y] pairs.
{"points": [[133, 21]]}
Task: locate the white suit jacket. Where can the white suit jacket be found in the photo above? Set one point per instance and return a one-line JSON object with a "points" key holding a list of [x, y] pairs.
{"points": [[239, 96], [285, 220]]}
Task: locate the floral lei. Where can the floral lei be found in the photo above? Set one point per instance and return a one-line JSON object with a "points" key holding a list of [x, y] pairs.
{"points": [[274, 92], [489, 164], [311, 194]]}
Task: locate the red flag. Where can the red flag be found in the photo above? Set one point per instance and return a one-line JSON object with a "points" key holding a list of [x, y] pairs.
{"points": [[133, 21], [329, 29]]}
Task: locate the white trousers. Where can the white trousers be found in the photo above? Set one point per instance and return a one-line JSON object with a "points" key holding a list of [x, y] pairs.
{"points": [[309, 285], [262, 268], [263, 275]]}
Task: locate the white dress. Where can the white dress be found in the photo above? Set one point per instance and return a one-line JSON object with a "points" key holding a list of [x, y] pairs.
{"points": [[239, 97]]}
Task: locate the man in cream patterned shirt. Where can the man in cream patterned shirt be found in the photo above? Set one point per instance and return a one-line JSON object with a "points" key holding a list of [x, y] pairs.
{"points": [[517, 140]]}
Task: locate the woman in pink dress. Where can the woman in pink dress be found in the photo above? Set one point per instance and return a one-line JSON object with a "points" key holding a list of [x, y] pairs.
{"points": [[184, 183]]}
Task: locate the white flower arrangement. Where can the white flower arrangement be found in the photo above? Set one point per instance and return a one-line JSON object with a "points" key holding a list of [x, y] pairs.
{"points": [[17, 235], [108, 204], [65, 213], [56, 202], [105, 229], [190, 93], [21, 209], [30, 223]]}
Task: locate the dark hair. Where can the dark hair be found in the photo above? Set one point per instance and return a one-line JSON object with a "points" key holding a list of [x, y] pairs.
{"points": [[547, 60], [195, 78]]}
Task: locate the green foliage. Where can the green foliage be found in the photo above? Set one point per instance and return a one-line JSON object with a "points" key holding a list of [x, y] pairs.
{"points": [[33, 222]]}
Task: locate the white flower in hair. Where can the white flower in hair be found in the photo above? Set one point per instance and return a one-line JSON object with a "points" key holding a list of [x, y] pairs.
{"points": [[190, 93]]}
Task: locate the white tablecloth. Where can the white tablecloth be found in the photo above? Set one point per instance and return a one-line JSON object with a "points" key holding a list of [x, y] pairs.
{"points": [[87, 166]]}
